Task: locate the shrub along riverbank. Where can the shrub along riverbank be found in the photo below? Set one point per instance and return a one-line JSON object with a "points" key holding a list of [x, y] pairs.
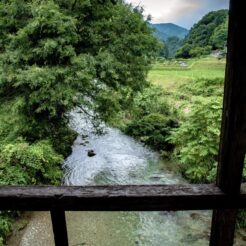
{"points": [[27, 163], [187, 131], [183, 123]]}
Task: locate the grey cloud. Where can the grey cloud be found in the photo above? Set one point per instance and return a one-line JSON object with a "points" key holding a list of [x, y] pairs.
{"points": [[182, 12]]}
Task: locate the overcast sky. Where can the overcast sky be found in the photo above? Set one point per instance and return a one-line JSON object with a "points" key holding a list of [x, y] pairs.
{"points": [[182, 12]]}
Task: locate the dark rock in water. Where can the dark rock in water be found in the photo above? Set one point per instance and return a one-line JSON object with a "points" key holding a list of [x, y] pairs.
{"points": [[84, 136], [195, 216], [91, 153], [84, 143], [155, 178], [191, 238]]}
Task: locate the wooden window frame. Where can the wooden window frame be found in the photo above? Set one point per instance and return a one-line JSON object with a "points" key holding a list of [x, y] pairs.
{"points": [[224, 198]]}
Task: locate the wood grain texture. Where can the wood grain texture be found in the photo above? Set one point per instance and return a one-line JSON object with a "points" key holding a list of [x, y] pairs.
{"points": [[233, 133], [233, 130], [118, 198]]}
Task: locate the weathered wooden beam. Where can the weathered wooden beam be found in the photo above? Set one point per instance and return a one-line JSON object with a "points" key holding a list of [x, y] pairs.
{"points": [[233, 130], [58, 219], [223, 227], [118, 198], [233, 133]]}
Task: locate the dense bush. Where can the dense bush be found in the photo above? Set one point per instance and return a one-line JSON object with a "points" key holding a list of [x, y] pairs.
{"points": [[203, 88], [152, 119], [5, 225], [200, 51], [12, 122], [153, 130], [23, 163], [197, 139], [151, 100]]}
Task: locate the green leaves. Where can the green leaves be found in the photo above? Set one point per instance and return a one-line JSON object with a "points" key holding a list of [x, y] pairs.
{"points": [[153, 130], [197, 138], [219, 36], [5, 225], [210, 33], [56, 55], [61, 56], [21, 163], [152, 120]]}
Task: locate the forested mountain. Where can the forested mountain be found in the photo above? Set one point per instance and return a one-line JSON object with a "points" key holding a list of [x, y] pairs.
{"points": [[209, 34], [173, 44], [171, 35], [166, 30]]}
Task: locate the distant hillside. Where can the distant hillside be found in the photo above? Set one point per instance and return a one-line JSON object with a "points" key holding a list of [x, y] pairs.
{"points": [[172, 36], [166, 30], [209, 34]]}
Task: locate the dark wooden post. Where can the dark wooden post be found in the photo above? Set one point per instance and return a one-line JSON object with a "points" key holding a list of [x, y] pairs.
{"points": [[59, 227], [233, 134]]}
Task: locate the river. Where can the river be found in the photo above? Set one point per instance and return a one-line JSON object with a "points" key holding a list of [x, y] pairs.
{"points": [[118, 159]]}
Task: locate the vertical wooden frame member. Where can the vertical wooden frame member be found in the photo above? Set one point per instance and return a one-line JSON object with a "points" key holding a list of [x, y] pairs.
{"points": [[59, 227], [233, 132]]}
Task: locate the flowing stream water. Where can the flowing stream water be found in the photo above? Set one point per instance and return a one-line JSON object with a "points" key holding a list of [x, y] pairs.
{"points": [[118, 159]]}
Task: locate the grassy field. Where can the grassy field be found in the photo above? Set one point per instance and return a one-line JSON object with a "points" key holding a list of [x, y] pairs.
{"points": [[170, 74]]}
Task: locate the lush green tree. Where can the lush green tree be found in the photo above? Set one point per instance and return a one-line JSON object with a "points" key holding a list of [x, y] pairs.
{"points": [[219, 37], [5, 225], [152, 119], [197, 140], [22, 163], [200, 51], [208, 34], [184, 51], [164, 50], [56, 55], [14, 15], [173, 44], [62, 54], [197, 137]]}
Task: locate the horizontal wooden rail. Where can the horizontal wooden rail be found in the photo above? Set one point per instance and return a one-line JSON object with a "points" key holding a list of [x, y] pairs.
{"points": [[118, 198]]}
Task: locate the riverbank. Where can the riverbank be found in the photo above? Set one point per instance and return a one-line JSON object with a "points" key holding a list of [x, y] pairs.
{"points": [[30, 227], [110, 165], [38, 230], [119, 159]]}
